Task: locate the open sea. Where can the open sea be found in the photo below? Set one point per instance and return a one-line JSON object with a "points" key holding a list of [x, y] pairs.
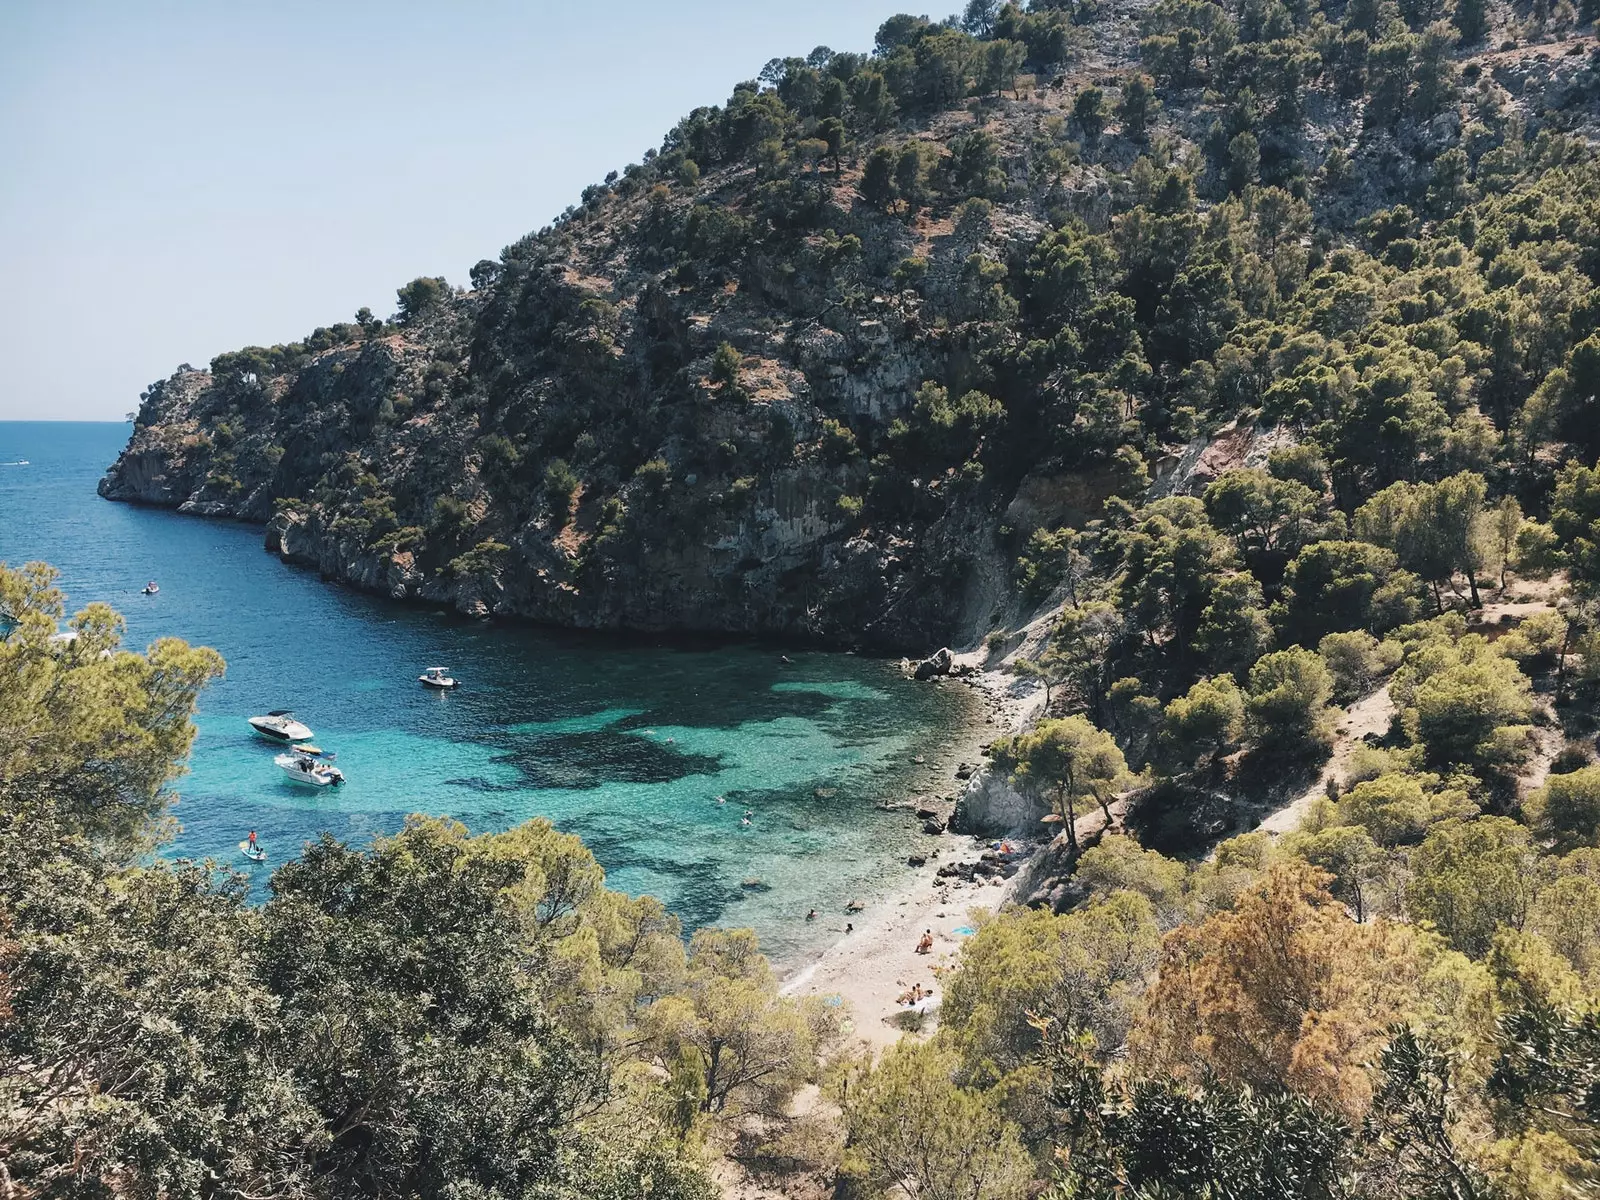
{"points": [[626, 742]]}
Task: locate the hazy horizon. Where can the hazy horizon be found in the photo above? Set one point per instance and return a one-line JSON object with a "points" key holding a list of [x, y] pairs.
{"points": [[184, 180]]}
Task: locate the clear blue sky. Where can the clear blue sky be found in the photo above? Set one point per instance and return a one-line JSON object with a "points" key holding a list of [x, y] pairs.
{"points": [[178, 179]]}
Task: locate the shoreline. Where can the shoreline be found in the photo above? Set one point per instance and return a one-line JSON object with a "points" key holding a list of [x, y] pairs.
{"points": [[688, 637], [870, 968]]}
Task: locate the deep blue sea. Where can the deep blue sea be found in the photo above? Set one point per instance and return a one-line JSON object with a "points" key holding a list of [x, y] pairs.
{"points": [[625, 742]]}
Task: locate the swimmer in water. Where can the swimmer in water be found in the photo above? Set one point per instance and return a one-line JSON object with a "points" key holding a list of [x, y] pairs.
{"points": [[722, 799], [744, 821], [812, 915]]}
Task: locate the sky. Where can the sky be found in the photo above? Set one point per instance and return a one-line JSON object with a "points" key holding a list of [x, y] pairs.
{"points": [[179, 179]]}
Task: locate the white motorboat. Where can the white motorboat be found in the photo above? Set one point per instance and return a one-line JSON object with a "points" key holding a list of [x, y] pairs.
{"points": [[437, 677], [314, 772], [279, 725]]}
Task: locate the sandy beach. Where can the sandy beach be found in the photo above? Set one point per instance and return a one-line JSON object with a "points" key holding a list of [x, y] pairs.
{"points": [[872, 967]]}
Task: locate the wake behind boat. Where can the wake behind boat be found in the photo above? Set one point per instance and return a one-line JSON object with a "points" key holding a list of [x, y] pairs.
{"points": [[279, 725], [303, 768]]}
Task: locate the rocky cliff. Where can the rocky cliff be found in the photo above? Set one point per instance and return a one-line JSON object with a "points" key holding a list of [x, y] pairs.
{"points": [[819, 366]]}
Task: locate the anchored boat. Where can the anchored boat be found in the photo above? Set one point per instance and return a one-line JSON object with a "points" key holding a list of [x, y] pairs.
{"points": [[314, 772], [279, 725], [437, 677]]}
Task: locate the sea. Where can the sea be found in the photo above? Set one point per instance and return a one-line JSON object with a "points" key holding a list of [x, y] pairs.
{"points": [[650, 749]]}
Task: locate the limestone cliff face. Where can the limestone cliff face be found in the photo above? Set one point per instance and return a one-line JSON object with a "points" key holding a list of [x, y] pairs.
{"points": [[819, 366], [424, 458]]}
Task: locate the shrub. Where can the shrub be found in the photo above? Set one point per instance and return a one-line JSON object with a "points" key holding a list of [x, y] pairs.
{"points": [[1358, 660], [561, 482], [1287, 706], [484, 559], [838, 442], [724, 372], [421, 296], [1567, 809], [654, 475]]}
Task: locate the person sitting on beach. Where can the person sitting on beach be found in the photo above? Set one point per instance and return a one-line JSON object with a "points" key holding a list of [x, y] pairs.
{"points": [[849, 928], [926, 944]]}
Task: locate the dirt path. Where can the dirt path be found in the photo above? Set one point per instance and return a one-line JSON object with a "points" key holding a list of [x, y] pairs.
{"points": [[1369, 715]]}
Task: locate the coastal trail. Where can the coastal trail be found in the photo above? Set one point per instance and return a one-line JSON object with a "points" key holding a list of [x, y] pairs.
{"points": [[1369, 715]]}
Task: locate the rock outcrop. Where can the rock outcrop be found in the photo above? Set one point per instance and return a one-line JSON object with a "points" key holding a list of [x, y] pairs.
{"points": [[989, 806], [751, 386]]}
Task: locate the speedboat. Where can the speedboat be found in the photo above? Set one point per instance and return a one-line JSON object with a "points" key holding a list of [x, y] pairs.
{"points": [[302, 768], [437, 677], [151, 588], [279, 725]]}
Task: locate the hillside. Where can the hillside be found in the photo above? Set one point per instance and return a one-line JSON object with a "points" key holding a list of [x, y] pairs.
{"points": [[820, 365], [1230, 370]]}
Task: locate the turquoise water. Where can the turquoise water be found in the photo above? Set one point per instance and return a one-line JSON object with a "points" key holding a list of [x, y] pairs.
{"points": [[625, 742]]}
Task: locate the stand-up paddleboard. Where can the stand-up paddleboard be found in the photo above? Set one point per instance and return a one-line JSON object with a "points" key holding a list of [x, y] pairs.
{"points": [[254, 854]]}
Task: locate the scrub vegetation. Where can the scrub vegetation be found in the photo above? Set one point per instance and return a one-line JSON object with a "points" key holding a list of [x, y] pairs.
{"points": [[1243, 358]]}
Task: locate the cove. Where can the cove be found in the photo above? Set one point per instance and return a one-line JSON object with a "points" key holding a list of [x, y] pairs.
{"points": [[626, 742]]}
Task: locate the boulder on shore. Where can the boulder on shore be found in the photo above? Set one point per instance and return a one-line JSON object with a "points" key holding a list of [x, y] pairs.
{"points": [[937, 663]]}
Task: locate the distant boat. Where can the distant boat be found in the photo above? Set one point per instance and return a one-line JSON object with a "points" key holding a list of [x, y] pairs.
{"points": [[21, 462], [279, 725], [302, 768], [151, 588], [437, 677], [253, 853]]}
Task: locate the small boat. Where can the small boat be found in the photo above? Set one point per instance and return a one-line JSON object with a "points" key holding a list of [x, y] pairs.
{"points": [[151, 588], [279, 725], [253, 853], [314, 772], [437, 677]]}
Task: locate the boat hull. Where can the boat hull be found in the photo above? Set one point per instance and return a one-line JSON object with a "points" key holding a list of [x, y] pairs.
{"points": [[321, 776], [282, 734]]}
